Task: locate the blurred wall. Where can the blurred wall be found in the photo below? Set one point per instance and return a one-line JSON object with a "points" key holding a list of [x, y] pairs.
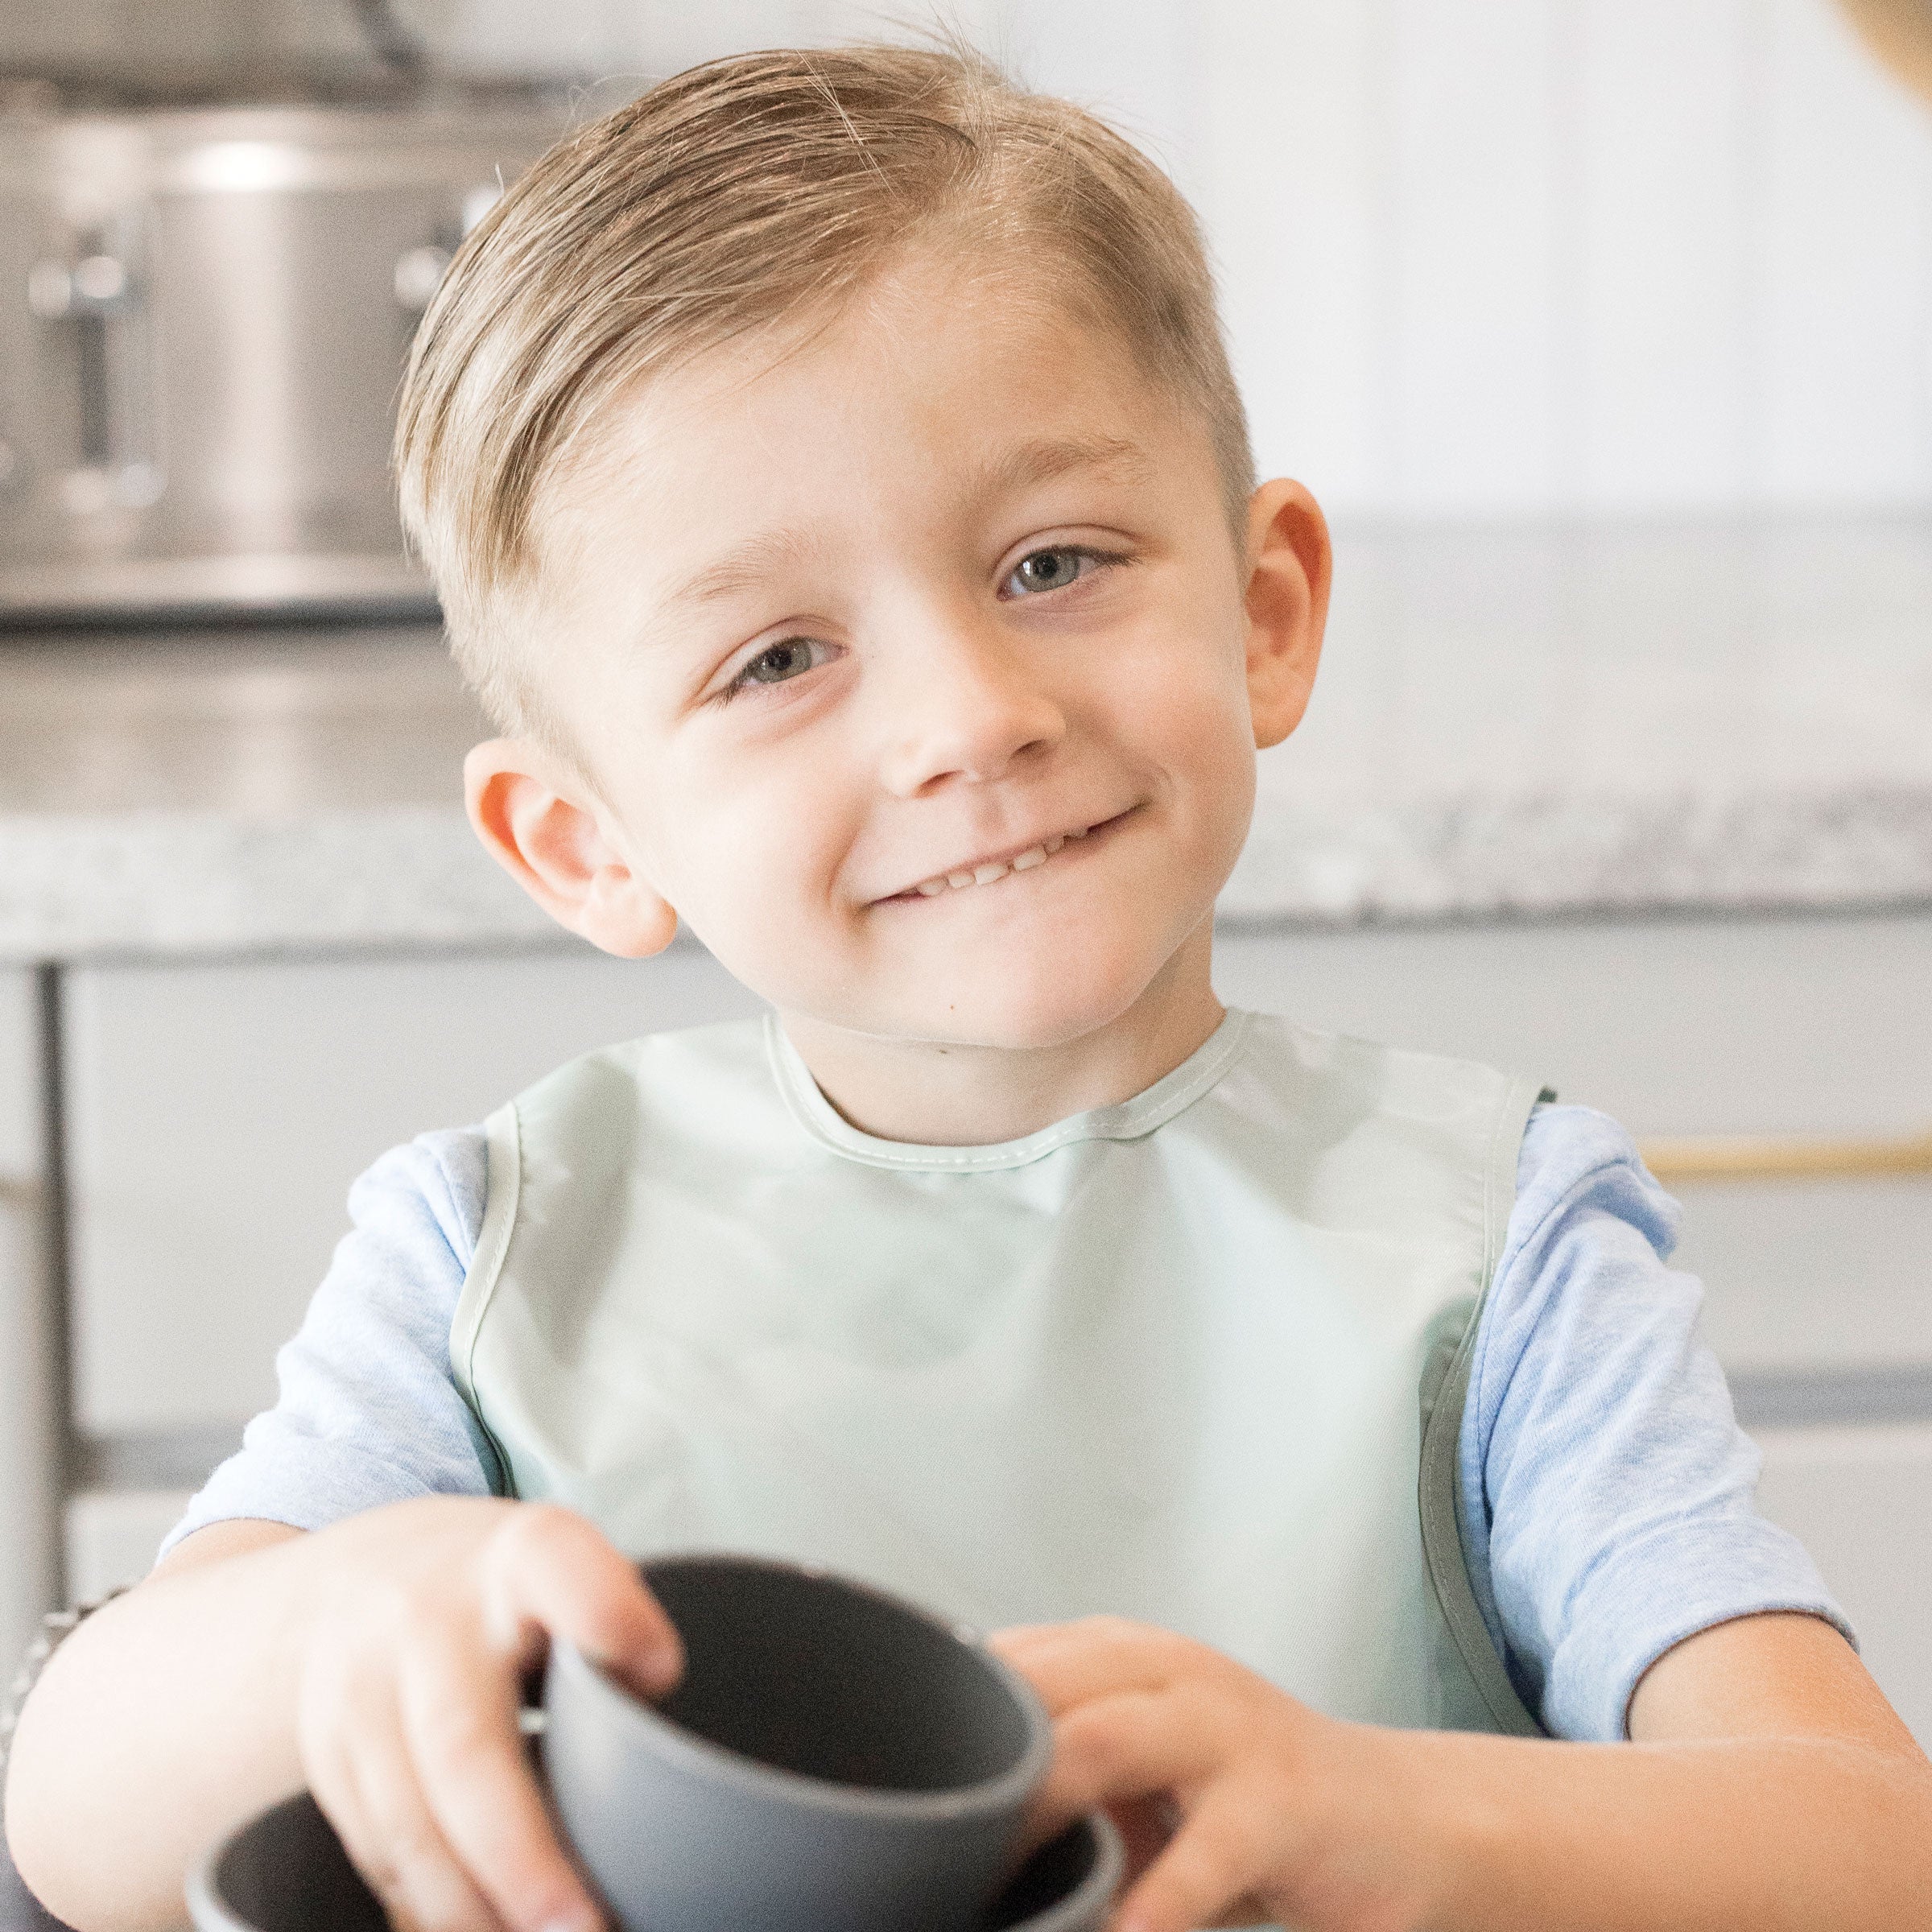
{"points": [[1481, 258]]}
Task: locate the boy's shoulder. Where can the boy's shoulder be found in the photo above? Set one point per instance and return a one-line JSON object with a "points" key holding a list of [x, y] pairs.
{"points": [[1564, 1150], [657, 1102], [1575, 1157], [1349, 1083], [665, 1063]]}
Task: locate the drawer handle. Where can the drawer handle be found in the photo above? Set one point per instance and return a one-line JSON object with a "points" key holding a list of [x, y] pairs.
{"points": [[1763, 1158]]}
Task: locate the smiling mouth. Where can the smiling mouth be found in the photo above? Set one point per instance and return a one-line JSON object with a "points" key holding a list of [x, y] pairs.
{"points": [[990, 871]]}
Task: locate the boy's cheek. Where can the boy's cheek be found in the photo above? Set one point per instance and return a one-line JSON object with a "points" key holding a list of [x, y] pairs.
{"points": [[1189, 710]]}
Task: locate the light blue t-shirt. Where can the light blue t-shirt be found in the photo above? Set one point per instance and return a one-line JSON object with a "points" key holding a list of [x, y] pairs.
{"points": [[1607, 1491]]}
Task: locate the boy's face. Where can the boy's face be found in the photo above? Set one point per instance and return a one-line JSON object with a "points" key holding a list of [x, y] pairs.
{"points": [[913, 670]]}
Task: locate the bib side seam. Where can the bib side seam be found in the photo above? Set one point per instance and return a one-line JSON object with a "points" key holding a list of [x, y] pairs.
{"points": [[503, 1140], [1439, 1496]]}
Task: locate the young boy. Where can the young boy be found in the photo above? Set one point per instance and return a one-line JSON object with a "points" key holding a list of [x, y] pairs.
{"points": [[833, 475]]}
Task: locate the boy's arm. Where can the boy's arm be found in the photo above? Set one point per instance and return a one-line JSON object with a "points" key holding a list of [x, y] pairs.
{"points": [[379, 1661], [139, 1672], [1771, 1785]]}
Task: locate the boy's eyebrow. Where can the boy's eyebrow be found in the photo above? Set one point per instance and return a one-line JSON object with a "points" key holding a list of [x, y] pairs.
{"points": [[1039, 462], [1024, 466], [742, 566]]}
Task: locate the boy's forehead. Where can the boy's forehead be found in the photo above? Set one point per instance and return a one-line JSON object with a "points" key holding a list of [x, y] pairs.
{"points": [[938, 396]]}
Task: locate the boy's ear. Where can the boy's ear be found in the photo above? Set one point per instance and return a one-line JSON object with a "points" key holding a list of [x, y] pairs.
{"points": [[1289, 563], [542, 826]]}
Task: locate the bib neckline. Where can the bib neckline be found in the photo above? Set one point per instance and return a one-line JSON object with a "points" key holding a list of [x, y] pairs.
{"points": [[1129, 1119]]}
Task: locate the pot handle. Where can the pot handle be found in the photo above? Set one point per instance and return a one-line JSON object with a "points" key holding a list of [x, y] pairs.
{"points": [[98, 297]]}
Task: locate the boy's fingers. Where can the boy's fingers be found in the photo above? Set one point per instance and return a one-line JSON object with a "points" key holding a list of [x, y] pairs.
{"points": [[1203, 1872], [1022, 1637], [1118, 1749], [553, 1571], [1071, 1664], [379, 1814], [460, 1720]]}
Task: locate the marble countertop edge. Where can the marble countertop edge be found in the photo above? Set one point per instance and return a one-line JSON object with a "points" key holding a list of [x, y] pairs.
{"points": [[163, 886]]}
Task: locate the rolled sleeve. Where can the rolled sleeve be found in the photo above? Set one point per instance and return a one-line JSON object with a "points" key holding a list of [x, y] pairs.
{"points": [[1608, 1493], [1621, 1621], [368, 1411]]}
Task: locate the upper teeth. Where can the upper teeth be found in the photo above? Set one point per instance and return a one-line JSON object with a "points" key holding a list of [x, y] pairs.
{"points": [[984, 875]]}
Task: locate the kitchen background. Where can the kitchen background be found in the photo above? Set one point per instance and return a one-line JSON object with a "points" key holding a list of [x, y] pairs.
{"points": [[1481, 258], [1604, 328]]}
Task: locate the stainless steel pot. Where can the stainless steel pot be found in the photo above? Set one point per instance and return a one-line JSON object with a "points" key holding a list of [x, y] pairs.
{"points": [[204, 311]]}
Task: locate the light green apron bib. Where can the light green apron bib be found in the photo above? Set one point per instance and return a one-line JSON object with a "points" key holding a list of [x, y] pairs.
{"points": [[1193, 1360]]}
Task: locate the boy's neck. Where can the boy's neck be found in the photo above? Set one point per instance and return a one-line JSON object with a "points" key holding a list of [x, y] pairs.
{"points": [[950, 1096]]}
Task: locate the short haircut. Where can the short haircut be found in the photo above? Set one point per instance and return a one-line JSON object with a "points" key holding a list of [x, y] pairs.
{"points": [[761, 189]]}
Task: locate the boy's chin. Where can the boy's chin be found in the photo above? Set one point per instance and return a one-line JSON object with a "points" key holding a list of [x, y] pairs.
{"points": [[1021, 1018]]}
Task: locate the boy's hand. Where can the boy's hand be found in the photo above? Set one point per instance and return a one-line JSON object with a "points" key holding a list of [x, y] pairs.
{"points": [[408, 1692], [1239, 1805], [1776, 1787]]}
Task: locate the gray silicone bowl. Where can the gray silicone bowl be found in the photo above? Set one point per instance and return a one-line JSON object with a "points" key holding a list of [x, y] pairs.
{"points": [[287, 1871], [834, 1759]]}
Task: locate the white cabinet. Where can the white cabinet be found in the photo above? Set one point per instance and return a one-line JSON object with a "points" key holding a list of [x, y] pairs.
{"points": [[1860, 1500], [112, 1536], [217, 1114], [1676, 1026], [1801, 1276], [28, 1454]]}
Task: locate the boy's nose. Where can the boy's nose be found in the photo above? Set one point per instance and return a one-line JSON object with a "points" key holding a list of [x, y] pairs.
{"points": [[967, 705]]}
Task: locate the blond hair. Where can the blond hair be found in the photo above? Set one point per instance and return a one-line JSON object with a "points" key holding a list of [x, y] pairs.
{"points": [[760, 189]]}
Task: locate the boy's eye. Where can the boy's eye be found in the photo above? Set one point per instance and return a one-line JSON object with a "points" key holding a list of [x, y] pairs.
{"points": [[790, 658], [1050, 570]]}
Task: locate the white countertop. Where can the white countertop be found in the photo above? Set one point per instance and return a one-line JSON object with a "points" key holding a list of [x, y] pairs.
{"points": [[1507, 723]]}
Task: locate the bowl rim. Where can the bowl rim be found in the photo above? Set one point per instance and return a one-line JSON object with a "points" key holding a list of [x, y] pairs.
{"points": [[207, 1907], [689, 1749], [209, 1912], [1101, 1883]]}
